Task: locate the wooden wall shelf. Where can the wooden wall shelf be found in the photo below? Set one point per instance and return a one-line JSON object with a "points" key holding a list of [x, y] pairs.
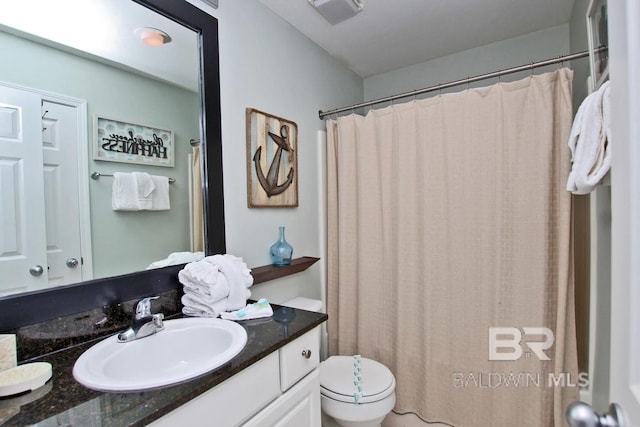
{"points": [[269, 272]]}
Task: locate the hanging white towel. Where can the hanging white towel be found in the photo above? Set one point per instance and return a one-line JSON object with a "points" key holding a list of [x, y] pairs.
{"points": [[160, 196], [145, 188], [124, 192], [590, 142]]}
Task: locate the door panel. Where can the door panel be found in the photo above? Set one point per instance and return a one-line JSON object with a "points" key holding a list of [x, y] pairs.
{"points": [[60, 165], [22, 189], [624, 53]]}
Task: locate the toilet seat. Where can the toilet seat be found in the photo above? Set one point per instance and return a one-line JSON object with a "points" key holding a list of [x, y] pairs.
{"points": [[337, 382]]}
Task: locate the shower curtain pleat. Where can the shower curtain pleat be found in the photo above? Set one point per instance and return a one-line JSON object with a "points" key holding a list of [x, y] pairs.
{"points": [[448, 216], [197, 209]]}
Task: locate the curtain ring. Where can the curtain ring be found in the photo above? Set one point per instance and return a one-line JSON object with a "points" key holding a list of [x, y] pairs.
{"points": [[439, 89], [531, 69], [468, 83], [499, 75]]}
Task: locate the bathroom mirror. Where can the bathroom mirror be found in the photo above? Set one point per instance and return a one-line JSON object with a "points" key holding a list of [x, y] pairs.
{"points": [[206, 128]]}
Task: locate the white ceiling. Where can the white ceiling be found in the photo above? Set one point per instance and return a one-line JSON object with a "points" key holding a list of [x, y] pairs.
{"points": [[386, 35], [391, 34], [105, 30]]}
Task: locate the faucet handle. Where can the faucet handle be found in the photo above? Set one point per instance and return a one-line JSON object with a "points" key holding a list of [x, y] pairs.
{"points": [[143, 308], [158, 321]]}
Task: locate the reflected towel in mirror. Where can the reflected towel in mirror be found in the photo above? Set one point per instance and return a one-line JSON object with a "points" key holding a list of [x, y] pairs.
{"points": [[137, 191], [160, 195]]}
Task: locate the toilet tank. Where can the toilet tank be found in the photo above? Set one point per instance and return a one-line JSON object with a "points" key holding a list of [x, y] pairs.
{"points": [[305, 304]]}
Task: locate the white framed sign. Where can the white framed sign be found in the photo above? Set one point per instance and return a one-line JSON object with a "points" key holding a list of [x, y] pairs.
{"points": [[119, 141]]}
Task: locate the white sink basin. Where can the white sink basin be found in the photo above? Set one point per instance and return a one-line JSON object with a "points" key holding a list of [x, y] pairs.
{"points": [[185, 349]]}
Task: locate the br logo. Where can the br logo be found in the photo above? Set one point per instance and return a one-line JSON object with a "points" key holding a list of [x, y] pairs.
{"points": [[512, 339]]}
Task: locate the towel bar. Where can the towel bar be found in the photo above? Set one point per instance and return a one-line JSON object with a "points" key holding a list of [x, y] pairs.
{"points": [[97, 175]]}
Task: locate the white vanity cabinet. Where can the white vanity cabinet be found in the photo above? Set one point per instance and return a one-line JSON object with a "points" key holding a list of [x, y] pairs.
{"points": [[282, 389]]}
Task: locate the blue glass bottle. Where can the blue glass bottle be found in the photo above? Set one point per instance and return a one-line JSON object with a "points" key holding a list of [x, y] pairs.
{"points": [[281, 251]]}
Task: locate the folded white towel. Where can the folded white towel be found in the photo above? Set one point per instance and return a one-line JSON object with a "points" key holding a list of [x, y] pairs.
{"points": [[160, 197], [205, 281], [220, 282], [590, 142], [193, 306], [176, 258], [256, 310], [198, 273], [124, 192], [238, 276], [144, 189]]}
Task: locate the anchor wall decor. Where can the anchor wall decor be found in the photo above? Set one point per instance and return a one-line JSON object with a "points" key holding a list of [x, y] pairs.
{"points": [[272, 160]]}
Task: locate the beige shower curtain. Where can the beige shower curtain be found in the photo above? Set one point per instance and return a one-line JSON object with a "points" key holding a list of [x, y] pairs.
{"points": [[447, 217]]}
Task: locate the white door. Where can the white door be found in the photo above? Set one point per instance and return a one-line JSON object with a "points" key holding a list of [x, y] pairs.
{"points": [[624, 52], [62, 218], [23, 258], [624, 67]]}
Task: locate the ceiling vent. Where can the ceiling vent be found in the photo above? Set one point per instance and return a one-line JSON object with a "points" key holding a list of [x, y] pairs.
{"points": [[336, 11], [212, 3]]}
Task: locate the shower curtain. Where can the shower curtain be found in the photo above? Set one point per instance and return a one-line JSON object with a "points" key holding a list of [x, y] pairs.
{"points": [[448, 217], [197, 209]]}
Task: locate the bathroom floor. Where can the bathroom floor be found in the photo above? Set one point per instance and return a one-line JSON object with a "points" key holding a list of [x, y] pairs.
{"points": [[327, 421]]}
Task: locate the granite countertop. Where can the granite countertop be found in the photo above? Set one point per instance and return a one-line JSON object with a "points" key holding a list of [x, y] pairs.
{"points": [[64, 402]]}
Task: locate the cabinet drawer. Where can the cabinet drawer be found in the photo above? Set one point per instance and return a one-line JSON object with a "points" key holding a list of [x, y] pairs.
{"points": [[299, 357]]}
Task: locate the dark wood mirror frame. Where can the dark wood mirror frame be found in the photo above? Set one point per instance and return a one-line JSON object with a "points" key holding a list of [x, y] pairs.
{"points": [[38, 306]]}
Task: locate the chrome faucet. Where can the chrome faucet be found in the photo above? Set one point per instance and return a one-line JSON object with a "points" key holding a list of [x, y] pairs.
{"points": [[144, 323]]}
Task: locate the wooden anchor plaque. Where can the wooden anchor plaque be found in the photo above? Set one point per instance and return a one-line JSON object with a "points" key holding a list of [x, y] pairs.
{"points": [[272, 160]]}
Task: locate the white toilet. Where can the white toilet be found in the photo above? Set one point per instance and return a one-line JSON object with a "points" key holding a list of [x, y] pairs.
{"points": [[338, 393]]}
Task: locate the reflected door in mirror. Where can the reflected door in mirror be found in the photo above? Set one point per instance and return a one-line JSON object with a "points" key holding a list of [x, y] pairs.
{"points": [[39, 195]]}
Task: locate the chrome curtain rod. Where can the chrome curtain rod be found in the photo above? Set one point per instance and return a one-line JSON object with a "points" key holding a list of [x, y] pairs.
{"points": [[531, 66]]}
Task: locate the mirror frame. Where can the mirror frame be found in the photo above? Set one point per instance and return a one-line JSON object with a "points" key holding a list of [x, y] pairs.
{"points": [[37, 306]]}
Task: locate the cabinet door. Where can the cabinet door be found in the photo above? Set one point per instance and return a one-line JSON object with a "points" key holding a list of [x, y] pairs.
{"points": [[300, 406], [231, 402]]}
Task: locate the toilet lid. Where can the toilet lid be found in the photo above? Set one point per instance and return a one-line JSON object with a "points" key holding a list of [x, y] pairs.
{"points": [[337, 379]]}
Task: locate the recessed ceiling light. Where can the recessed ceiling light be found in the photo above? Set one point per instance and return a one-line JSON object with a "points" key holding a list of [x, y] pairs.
{"points": [[152, 36]]}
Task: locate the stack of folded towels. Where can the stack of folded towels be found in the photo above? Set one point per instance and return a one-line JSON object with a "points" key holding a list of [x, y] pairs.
{"points": [[214, 285]]}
